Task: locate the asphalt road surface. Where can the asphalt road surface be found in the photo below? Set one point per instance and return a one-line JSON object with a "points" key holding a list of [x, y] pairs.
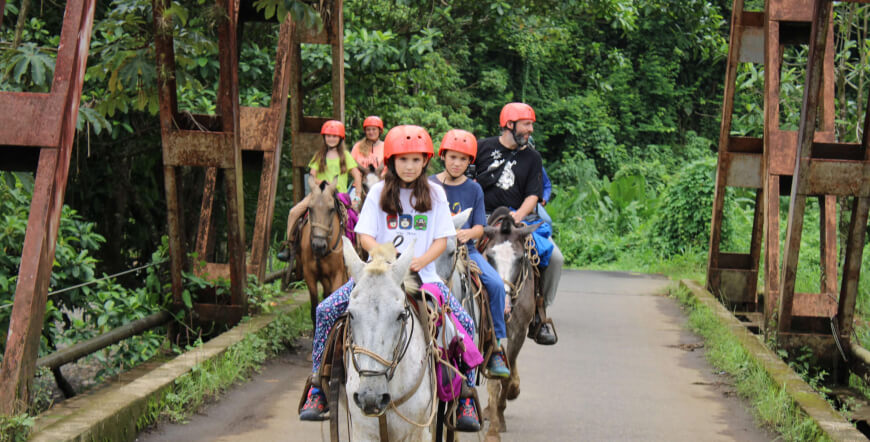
{"points": [[625, 368]]}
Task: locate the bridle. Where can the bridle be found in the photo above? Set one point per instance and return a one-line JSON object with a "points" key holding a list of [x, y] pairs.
{"points": [[338, 208], [403, 340]]}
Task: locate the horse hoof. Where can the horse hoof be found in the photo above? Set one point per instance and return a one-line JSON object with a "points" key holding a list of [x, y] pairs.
{"points": [[513, 392], [492, 437]]}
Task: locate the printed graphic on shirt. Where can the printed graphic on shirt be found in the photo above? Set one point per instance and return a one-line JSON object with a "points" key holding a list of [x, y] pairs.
{"points": [[456, 207], [507, 179], [392, 222], [420, 222], [405, 222]]}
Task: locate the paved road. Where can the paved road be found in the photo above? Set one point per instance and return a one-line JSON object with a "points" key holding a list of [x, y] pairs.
{"points": [[624, 369]]}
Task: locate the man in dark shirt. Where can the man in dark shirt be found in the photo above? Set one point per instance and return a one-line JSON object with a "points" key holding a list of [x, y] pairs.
{"points": [[510, 173]]}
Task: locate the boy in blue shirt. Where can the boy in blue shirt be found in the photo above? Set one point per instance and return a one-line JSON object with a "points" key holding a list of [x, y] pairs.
{"points": [[458, 150]]}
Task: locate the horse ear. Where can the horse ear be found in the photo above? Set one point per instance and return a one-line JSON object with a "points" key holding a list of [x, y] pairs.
{"points": [[403, 265], [312, 183], [460, 218], [525, 230], [351, 259]]}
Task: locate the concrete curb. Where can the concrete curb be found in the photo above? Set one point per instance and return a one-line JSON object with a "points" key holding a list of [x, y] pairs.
{"points": [[112, 413], [832, 423]]}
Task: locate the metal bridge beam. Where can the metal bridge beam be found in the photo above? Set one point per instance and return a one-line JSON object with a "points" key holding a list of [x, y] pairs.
{"points": [[43, 123]]}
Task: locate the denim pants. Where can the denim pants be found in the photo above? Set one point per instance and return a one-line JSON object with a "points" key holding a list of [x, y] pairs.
{"points": [[495, 288]]}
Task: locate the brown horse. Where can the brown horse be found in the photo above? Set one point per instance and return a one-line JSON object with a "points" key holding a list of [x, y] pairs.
{"points": [[507, 252], [319, 246]]}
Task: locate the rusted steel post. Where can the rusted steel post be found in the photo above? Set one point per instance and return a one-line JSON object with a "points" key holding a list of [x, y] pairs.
{"points": [[264, 130], [168, 101], [854, 245], [734, 276], [806, 135], [28, 311], [828, 243]]}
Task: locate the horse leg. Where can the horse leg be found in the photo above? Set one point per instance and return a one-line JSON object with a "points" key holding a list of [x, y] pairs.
{"points": [[502, 403], [311, 282], [513, 384], [494, 389]]}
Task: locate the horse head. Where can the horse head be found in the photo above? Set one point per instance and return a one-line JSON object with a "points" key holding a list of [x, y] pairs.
{"points": [[322, 216], [506, 248], [381, 326], [371, 176]]}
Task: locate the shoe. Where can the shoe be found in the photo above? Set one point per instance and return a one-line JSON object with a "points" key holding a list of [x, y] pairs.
{"points": [[466, 416], [545, 335], [497, 367], [315, 407], [532, 326], [284, 255]]}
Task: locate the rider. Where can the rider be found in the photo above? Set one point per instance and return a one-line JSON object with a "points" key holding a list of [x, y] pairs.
{"points": [[404, 194], [458, 150], [510, 173], [331, 162], [369, 151]]}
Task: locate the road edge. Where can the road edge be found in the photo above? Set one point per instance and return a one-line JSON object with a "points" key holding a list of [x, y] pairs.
{"points": [[819, 410]]}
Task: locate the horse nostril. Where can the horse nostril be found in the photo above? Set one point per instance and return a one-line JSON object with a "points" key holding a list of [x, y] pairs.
{"points": [[356, 400], [385, 400]]}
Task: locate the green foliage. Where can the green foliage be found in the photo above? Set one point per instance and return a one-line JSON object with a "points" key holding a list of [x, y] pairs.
{"points": [[16, 428], [683, 219]]}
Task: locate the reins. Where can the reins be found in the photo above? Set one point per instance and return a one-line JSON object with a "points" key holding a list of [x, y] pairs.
{"points": [[341, 212]]}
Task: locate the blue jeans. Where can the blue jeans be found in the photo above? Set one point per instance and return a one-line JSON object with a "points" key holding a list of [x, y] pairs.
{"points": [[542, 212], [495, 288]]}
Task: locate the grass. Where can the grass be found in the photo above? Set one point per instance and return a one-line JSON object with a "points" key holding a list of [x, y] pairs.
{"points": [[771, 403]]}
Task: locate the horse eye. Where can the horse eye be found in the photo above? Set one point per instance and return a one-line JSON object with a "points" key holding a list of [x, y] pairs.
{"points": [[403, 315], [349, 314]]}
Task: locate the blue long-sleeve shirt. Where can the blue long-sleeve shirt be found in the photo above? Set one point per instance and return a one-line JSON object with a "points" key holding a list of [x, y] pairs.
{"points": [[548, 187]]}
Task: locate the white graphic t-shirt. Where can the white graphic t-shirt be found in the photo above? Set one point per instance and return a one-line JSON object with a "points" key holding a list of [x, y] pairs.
{"points": [[426, 227]]}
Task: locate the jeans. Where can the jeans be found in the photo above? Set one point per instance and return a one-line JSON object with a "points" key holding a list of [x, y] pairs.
{"points": [[495, 288]]}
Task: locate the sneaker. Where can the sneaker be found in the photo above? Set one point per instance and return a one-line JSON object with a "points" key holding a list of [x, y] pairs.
{"points": [[497, 366], [466, 416], [545, 335], [315, 407]]}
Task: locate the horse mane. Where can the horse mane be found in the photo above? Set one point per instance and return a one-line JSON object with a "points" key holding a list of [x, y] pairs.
{"points": [[381, 257]]}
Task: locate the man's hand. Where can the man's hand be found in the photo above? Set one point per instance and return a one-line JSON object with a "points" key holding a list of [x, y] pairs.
{"points": [[463, 236], [517, 217]]}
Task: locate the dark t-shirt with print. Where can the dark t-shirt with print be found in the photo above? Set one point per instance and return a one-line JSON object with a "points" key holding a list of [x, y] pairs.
{"points": [[520, 178], [467, 195]]}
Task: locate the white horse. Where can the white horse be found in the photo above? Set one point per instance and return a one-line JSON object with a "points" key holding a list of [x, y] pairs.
{"points": [[389, 367]]}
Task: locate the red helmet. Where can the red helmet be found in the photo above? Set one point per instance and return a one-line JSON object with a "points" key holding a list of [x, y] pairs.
{"points": [[407, 139], [514, 112], [375, 121], [333, 127], [461, 141]]}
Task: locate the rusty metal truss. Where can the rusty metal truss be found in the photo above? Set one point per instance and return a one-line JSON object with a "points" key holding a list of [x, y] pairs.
{"points": [[37, 131], [799, 164], [305, 131], [216, 143]]}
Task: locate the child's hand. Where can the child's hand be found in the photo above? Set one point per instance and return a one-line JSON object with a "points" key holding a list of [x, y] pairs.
{"points": [[417, 264], [463, 236]]}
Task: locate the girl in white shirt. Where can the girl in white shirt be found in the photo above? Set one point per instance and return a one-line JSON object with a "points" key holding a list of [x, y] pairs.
{"points": [[403, 205]]}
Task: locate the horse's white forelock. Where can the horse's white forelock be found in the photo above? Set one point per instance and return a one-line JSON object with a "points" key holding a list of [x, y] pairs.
{"points": [[503, 255]]}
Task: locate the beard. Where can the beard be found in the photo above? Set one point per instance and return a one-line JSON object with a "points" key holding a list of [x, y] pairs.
{"points": [[521, 139]]}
